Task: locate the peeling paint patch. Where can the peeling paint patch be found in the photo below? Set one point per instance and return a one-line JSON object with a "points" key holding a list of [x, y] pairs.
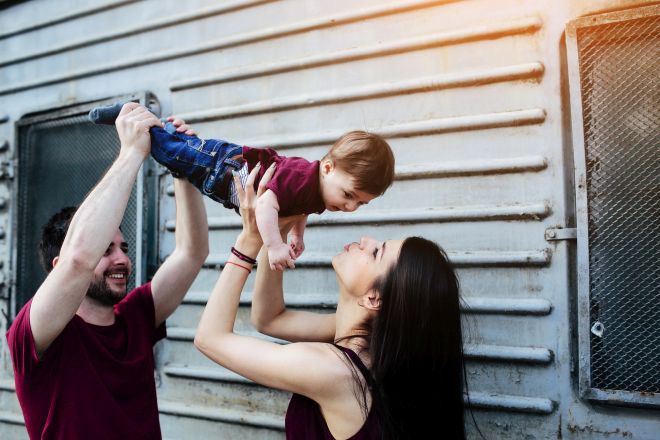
{"points": [[576, 428]]}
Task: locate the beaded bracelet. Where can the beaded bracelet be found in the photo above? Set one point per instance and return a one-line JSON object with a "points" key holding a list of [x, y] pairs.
{"points": [[242, 256], [239, 265]]}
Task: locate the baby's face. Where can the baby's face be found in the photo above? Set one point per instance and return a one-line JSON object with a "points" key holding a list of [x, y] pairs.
{"points": [[339, 193]]}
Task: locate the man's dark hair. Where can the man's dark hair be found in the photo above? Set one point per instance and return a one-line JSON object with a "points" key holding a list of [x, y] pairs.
{"points": [[52, 236]]}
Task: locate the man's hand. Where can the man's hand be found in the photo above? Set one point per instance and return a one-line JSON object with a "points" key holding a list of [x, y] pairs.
{"points": [[281, 256], [133, 124], [181, 126]]}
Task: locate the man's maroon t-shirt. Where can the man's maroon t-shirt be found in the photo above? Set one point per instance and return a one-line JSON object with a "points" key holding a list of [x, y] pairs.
{"points": [[93, 382], [295, 182]]}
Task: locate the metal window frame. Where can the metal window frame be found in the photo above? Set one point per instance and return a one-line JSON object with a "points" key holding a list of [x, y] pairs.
{"points": [[141, 227], [586, 390]]}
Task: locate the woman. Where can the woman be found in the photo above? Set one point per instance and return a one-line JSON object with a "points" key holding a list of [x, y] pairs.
{"points": [[387, 364]]}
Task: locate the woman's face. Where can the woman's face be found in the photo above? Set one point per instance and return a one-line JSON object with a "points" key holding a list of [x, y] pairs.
{"points": [[360, 264]]}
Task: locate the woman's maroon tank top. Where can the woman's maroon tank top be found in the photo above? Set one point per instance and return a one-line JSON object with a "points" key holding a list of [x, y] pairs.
{"points": [[304, 420]]}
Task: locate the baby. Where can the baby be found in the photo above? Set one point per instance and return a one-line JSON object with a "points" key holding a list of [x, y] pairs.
{"points": [[358, 168]]}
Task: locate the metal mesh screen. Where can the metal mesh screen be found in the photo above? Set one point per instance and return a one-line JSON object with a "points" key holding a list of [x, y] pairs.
{"points": [[59, 162], [619, 67]]}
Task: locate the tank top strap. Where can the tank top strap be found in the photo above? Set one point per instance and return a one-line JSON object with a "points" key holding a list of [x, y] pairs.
{"points": [[356, 360]]}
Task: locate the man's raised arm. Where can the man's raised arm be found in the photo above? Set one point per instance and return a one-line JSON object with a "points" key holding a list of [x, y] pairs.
{"points": [[91, 230], [174, 277]]}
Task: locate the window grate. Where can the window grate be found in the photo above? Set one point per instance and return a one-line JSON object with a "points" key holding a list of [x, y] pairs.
{"points": [[620, 98]]}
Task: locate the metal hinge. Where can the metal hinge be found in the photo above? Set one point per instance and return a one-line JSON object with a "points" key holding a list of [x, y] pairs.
{"points": [[5, 285], [555, 234], [7, 169]]}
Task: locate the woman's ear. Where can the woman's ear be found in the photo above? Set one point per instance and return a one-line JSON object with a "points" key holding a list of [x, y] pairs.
{"points": [[370, 301], [55, 260]]}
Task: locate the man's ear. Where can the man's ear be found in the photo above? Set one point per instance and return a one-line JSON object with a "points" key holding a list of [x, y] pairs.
{"points": [[55, 260], [371, 301]]}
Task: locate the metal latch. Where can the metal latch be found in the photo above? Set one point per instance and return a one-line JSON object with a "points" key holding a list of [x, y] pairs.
{"points": [[554, 234]]}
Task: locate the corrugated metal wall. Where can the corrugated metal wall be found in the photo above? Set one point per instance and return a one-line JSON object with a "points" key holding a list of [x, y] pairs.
{"points": [[471, 96]]}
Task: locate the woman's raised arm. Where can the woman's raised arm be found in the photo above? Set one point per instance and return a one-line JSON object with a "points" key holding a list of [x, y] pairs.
{"points": [[300, 368], [270, 316]]}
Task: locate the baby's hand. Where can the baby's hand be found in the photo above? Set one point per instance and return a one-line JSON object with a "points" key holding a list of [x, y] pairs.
{"points": [[297, 244], [281, 256]]}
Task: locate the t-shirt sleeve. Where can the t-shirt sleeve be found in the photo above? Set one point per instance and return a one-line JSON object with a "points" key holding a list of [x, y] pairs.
{"points": [[139, 306], [21, 342]]}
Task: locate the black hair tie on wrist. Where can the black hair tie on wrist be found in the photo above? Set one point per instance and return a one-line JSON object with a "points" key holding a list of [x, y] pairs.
{"points": [[242, 256]]}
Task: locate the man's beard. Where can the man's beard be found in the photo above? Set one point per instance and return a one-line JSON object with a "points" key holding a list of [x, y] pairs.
{"points": [[101, 292]]}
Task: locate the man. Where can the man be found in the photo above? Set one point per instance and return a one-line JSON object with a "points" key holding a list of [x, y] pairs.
{"points": [[82, 348]]}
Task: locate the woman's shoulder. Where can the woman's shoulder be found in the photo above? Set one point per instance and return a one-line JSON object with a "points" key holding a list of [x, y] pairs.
{"points": [[329, 365], [330, 356]]}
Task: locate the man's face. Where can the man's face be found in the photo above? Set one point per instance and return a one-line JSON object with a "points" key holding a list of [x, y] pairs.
{"points": [[110, 282]]}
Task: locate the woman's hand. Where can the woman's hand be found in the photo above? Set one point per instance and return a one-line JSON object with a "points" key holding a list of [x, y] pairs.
{"points": [[248, 202]]}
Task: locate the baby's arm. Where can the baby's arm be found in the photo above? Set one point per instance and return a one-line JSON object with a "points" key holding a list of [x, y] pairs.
{"points": [[280, 255], [297, 243]]}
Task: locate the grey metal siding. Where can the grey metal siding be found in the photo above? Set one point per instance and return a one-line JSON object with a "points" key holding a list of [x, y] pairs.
{"points": [[470, 94]]}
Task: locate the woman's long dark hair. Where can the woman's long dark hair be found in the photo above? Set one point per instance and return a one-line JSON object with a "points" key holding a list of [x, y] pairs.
{"points": [[416, 347]]}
